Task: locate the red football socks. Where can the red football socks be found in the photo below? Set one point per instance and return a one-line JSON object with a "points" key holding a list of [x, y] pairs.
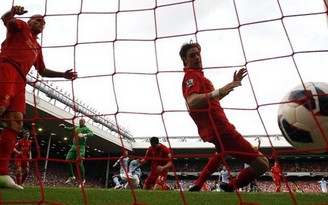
{"points": [[244, 178], [211, 167], [19, 179], [7, 144], [24, 178]]}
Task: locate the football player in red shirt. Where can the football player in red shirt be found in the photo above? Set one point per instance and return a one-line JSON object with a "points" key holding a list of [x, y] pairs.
{"points": [[276, 173], [160, 157], [19, 52], [203, 103], [23, 155]]}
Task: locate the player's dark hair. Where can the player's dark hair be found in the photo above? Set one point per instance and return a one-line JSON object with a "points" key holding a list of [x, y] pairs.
{"points": [[154, 141], [184, 49], [25, 130]]}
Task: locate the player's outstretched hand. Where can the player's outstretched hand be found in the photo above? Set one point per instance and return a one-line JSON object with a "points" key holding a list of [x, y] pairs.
{"points": [[69, 74], [19, 10], [62, 125], [238, 76]]}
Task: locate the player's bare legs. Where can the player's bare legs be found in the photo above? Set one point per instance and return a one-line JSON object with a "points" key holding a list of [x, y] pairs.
{"points": [[14, 123]]}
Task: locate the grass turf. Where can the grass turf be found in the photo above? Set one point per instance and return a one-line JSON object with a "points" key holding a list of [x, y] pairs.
{"points": [[96, 196]]}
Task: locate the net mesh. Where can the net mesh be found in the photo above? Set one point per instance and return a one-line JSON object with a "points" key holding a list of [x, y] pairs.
{"points": [[126, 56]]}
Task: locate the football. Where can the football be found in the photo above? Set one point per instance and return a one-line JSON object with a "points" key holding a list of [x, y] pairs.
{"points": [[303, 117]]}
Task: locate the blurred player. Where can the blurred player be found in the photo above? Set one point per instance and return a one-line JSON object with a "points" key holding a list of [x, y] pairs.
{"points": [[295, 187], [159, 167], [224, 175], [19, 52], [323, 184], [123, 161], [276, 176], [77, 149], [203, 103], [181, 185], [253, 186], [134, 175], [23, 155], [217, 185]]}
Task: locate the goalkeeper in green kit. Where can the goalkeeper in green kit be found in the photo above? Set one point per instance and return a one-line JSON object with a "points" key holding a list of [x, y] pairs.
{"points": [[82, 133]]}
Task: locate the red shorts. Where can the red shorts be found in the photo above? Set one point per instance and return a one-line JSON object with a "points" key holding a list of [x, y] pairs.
{"points": [[156, 178], [24, 164], [12, 88], [236, 145]]}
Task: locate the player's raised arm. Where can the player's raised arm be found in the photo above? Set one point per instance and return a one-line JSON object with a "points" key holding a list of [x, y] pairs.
{"points": [[198, 100], [118, 161], [8, 17], [65, 127], [68, 74]]}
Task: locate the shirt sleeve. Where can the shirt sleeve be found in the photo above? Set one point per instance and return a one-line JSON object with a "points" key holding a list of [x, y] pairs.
{"points": [[148, 154], [39, 63], [166, 152], [18, 23], [192, 84], [89, 133]]}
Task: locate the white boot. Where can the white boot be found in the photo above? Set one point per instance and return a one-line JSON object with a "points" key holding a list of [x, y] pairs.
{"points": [[83, 182], [7, 182], [70, 179]]}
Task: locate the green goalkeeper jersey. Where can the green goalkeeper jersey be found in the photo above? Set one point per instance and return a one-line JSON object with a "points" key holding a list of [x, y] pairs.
{"points": [[80, 129]]}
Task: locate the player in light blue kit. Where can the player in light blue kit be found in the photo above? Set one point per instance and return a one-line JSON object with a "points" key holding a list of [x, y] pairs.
{"points": [[323, 184], [224, 175], [134, 175], [124, 162]]}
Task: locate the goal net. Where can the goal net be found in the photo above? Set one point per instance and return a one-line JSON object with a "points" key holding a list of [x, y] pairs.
{"points": [[126, 54]]}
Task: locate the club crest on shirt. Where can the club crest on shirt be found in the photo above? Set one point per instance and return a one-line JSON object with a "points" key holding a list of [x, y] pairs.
{"points": [[190, 83]]}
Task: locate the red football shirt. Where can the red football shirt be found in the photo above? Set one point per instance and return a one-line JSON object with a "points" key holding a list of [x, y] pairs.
{"points": [[210, 116], [161, 152], [22, 49], [275, 172], [25, 147]]}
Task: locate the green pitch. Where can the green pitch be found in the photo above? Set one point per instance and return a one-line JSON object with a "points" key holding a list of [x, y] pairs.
{"points": [[93, 196]]}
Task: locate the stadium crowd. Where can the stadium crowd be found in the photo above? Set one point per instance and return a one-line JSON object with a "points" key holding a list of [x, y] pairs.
{"points": [[96, 179], [286, 166]]}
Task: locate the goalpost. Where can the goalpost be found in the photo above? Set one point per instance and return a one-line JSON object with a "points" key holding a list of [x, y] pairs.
{"points": [[127, 57]]}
